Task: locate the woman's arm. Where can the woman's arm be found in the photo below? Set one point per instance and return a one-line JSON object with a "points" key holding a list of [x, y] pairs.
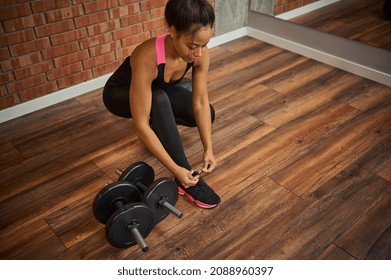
{"points": [[201, 108]]}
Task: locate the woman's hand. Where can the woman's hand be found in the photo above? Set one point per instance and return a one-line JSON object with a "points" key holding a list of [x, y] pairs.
{"points": [[185, 177], [209, 163]]}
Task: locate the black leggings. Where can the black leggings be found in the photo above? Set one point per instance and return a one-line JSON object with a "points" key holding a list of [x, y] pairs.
{"points": [[170, 107]]}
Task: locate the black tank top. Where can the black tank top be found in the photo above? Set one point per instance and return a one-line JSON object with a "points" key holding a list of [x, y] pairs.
{"points": [[161, 63], [123, 75]]}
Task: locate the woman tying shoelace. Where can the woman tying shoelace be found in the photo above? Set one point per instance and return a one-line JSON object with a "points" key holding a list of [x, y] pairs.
{"points": [[150, 88]]}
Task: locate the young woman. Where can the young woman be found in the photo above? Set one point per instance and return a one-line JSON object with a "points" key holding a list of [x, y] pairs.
{"points": [[149, 88]]}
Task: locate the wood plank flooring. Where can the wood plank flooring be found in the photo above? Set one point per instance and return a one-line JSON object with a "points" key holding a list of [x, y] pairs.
{"points": [[304, 152], [359, 20]]}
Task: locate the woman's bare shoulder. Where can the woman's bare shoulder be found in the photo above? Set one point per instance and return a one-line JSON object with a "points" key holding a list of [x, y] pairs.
{"points": [[143, 59], [145, 51]]}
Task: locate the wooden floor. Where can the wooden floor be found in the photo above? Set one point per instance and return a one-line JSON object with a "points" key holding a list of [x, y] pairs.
{"points": [[304, 153], [359, 20]]}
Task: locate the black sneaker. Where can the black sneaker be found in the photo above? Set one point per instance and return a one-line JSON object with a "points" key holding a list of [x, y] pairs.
{"points": [[201, 194]]}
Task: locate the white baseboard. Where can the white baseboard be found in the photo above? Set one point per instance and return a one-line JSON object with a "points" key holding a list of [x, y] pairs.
{"points": [[51, 99], [88, 86], [306, 9], [227, 37]]}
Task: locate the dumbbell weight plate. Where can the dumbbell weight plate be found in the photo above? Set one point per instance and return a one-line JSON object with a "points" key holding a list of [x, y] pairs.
{"points": [[163, 188], [104, 202], [117, 227], [138, 172]]}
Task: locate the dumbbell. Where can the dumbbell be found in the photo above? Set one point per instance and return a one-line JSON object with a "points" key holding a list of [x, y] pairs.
{"points": [[127, 220], [160, 195]]}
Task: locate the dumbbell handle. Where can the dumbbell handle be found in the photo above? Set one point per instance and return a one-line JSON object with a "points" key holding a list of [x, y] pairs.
{"points": [[166, 204], [138, 237], [143, 187], [173, 209], [134, 230]]}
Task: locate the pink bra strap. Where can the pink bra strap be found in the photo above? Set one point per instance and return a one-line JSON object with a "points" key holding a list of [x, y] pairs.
{"points": [[160, 50]]}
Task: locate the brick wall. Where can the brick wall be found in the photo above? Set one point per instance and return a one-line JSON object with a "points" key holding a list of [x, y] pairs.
{"points": [[49, 45], [282, 6]]}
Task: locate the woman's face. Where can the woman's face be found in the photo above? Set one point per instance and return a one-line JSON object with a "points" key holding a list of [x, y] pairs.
{"points": [[190, 47]]}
